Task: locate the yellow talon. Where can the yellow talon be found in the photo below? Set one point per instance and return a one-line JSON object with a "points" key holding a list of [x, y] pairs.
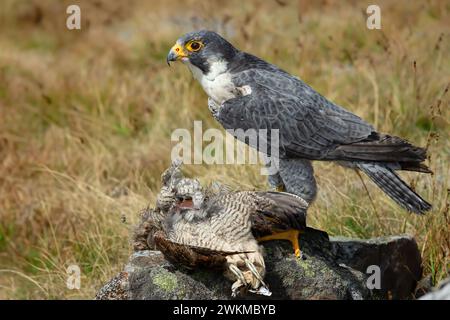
{"points": [[280, 188], [290, 235]]}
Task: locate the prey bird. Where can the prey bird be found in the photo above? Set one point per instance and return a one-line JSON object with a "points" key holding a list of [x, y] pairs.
{"points": [[246, 92], [199, 227]]}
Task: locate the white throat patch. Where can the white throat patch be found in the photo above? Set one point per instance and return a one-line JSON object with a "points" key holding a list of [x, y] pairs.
{"points": [[217, 83]]}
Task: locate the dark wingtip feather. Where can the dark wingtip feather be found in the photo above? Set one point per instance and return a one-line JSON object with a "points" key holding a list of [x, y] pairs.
{"points": [[385, 178], [289, 210], [415, 166]]}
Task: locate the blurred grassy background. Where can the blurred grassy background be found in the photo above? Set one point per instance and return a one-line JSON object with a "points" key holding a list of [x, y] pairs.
{"points": [[86, 118]]}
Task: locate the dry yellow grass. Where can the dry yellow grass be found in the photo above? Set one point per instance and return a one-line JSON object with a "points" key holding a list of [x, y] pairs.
{"points": [[86, 118]]}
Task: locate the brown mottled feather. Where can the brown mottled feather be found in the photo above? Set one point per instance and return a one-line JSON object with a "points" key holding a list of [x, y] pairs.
{"points": [[281, 212], [190, 256]]}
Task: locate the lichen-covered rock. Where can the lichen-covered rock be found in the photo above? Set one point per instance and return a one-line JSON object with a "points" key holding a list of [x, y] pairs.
{"points": [[331, 269], [116, 289], [144, 259], [166, 282]]}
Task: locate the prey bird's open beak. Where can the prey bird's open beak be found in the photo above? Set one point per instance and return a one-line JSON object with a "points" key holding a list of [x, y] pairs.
{"points": [[176, 53]]}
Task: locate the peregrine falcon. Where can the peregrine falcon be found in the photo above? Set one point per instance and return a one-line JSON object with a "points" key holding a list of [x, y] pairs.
{"points": [[196, 227], [246, 92]]}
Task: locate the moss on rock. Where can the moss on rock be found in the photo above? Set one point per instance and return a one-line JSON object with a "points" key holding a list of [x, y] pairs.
{"points": [[165, 280]]}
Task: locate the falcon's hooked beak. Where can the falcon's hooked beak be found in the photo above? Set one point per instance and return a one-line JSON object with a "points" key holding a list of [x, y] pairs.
{"points": [[176, 53]]}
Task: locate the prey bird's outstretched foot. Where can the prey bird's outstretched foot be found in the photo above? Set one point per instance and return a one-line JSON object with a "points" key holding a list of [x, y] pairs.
{"points": [[254, 271], [240, 282], [290, 235], [263, 288], [250, 278]]}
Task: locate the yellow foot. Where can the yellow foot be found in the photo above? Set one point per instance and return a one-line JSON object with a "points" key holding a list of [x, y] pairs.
{"points": [[290, 235], [280, 188]]}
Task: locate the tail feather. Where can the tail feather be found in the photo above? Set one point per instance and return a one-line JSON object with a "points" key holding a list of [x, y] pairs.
{"points": [[386, 178]]}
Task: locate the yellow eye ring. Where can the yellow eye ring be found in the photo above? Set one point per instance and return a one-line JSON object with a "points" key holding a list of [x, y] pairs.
{"points": [[194, 45]]}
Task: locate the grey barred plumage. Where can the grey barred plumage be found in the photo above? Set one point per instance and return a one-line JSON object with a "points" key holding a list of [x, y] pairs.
{"points": [[310, 126], [302, 182]]}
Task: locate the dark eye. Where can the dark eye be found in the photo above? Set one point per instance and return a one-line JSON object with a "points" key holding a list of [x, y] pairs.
{"points": [[194, 46]]}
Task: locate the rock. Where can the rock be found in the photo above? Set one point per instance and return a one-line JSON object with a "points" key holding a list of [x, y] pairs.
{"points": [[331, 269], [116, 289], [142, 259], [398, 258], [441, 292]]}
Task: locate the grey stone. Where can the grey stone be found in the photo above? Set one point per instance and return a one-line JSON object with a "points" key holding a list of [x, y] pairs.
{"points": [[144, 258], [398, 258], [115, 289], [330, 269]]}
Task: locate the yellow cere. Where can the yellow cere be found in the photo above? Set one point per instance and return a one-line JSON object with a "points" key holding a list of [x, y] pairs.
{"points": [[178, 49]]}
